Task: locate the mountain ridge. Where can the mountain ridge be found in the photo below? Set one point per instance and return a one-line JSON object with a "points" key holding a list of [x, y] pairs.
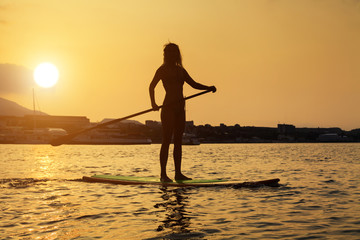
{"points": [[10, 108]]}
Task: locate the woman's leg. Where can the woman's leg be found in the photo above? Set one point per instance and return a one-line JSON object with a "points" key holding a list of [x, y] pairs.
{"points": [[178, 134], [167, 131], [177, 151]]}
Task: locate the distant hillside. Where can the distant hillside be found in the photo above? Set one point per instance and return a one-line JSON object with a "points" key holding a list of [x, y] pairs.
{"points": [[10, 108], [122, 122]]}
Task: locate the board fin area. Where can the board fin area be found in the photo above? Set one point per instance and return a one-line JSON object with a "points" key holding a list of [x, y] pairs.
{"points": [[130, 180]]}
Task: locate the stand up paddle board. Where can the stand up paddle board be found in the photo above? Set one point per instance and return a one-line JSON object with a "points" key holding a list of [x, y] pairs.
{"points": [[124, 180]]}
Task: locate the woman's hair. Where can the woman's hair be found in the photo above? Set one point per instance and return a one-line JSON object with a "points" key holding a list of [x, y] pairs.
{"points": [[172, 54]]}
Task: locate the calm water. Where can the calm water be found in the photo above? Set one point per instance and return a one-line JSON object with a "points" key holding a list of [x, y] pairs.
{"points": [[319, 197]]}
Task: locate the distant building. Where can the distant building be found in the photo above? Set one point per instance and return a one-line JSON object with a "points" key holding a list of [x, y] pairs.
{"points": [[332, 137], [286, 129], [286, 132], [189, 124], [11, 121], [69, 123]]}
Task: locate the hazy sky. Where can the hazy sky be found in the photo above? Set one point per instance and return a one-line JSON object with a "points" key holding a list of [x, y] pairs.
{"points": [[295, 62]]}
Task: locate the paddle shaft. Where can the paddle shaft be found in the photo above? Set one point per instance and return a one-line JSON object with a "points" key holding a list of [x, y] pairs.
{"points": [[61, 140]]}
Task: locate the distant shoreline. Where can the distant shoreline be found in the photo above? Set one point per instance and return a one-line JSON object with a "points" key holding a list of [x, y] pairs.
{"points": [[45, 128]]}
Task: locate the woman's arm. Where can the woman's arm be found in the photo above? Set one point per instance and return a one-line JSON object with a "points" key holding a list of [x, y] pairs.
{"points": [[152, 86], [197, 85]]}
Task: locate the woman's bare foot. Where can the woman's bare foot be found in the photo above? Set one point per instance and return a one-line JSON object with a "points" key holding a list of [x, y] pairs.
{"points": [[165, 179], [181, 177]]}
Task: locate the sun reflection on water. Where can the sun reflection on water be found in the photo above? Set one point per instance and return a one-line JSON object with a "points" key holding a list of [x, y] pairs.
{"points": [[44, 167]]}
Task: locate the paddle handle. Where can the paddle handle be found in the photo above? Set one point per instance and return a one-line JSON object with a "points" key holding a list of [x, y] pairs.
{"points": [[61, 140]]}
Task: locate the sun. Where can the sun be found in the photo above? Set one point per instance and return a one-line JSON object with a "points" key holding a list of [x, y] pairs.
{"points": [[46, 75]]}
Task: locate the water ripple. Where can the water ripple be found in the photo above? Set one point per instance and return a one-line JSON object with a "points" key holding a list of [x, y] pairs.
{"points": [[44, 198]]}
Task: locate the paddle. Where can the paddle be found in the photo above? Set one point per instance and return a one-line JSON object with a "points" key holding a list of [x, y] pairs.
{"points": [[64, 139]]}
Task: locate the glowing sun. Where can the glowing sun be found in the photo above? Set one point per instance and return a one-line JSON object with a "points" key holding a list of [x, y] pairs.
{"points": [[46, 75]]}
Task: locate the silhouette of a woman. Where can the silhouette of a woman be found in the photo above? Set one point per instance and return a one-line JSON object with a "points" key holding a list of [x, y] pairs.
{"points": [[173, 76]]}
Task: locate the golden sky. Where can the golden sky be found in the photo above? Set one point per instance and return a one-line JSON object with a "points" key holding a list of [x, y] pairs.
{"points": [[272, 61]]}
